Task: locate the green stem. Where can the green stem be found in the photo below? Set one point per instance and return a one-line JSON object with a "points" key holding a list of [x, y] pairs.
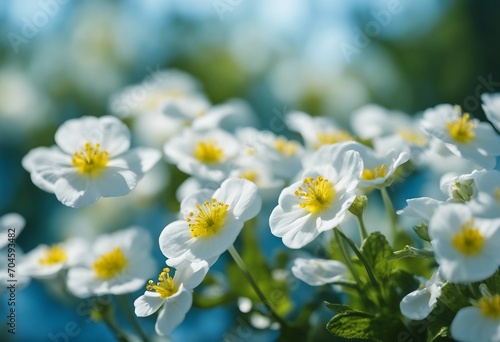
{"points": [[390, 210], [241, 264], [411, 252], [120, 335], [347, 259], [362, 228], [131, 317]]}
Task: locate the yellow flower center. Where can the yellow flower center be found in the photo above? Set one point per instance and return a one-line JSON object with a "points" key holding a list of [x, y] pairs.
{"points": [[110, 264], [52, 256], [413, 137], [378, 172], [490, 306], [462, 129], [316, 195], [208, 220], [285, 147], [165, 285], [250, 175], [327, 138], [91, 160], [469, 240], [497, 194], [208, 152]]}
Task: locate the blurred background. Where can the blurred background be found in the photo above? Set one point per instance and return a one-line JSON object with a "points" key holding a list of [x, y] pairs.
{"points": [[62, 59]]}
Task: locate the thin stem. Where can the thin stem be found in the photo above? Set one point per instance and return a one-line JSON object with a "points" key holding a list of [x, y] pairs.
{"points": [[390, 210], [347, 259], [241, 264], [362, 228], [131, 318], [120, 336]]}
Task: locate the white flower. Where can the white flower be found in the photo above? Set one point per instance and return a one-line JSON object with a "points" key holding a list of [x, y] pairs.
{"points": [[172, 296], [373, 121], [465, 137], [486, 202], [465, 247], [491, 107], [316, 131], [421, 208], [417, 305], [227, 116], [91, 160], [377, 169], [212, 221], [318, 202], [162, 90], [11, 226], [203, 154], [480, 322], [282, 155], [118, 263], [46, 261], [459, 188], [316, 272]]}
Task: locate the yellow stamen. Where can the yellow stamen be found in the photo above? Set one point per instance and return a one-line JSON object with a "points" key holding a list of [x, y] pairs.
{"points": [[327, 138], [208, 152], [209, 218], [316, 195], [250, 175], [497, 194], [165, 285], [469, 240], [378, 172], [91, 160], [462, 130], [413, 137], [110, 264], [286, 147], [490, 306], [53, 255]]}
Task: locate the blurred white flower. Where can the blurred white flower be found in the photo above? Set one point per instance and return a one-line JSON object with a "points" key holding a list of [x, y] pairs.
{"points": [[205, 154], [46, 261], [318, 202], [373, 121], [465, 137], [282, 155], [417, 305], [491, 107], [172, 92], [11, 226], [479, 322], [421, 208], [316, 131], [317, 272], [486, 202], [227, 116], [91, 160], [212, 221], [118, 263], [172, 296], [465, 247]]}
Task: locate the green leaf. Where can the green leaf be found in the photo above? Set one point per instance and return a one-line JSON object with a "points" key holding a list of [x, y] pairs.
{"points": [[361, 325], [337, 307], [376, 251]]}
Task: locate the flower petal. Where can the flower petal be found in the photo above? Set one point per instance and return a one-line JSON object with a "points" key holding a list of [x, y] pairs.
{"points": [[174, 311], [147, 304], [242, 197], [75, 191], [138, 160]]}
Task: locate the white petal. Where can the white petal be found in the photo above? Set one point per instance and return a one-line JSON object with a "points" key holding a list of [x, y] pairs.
{"points": [[10, 221], [82, 282], [176, 240], [147, 304], [205, 248], [174, 311], [242, 197], [415, 305], [74, 190], [191, 274], [138, 160], [316, 272], [297, 228], [115, 181], [469, 325]]}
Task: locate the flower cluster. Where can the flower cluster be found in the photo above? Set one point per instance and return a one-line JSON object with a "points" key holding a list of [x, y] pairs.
{"points": [[309, 186]]}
